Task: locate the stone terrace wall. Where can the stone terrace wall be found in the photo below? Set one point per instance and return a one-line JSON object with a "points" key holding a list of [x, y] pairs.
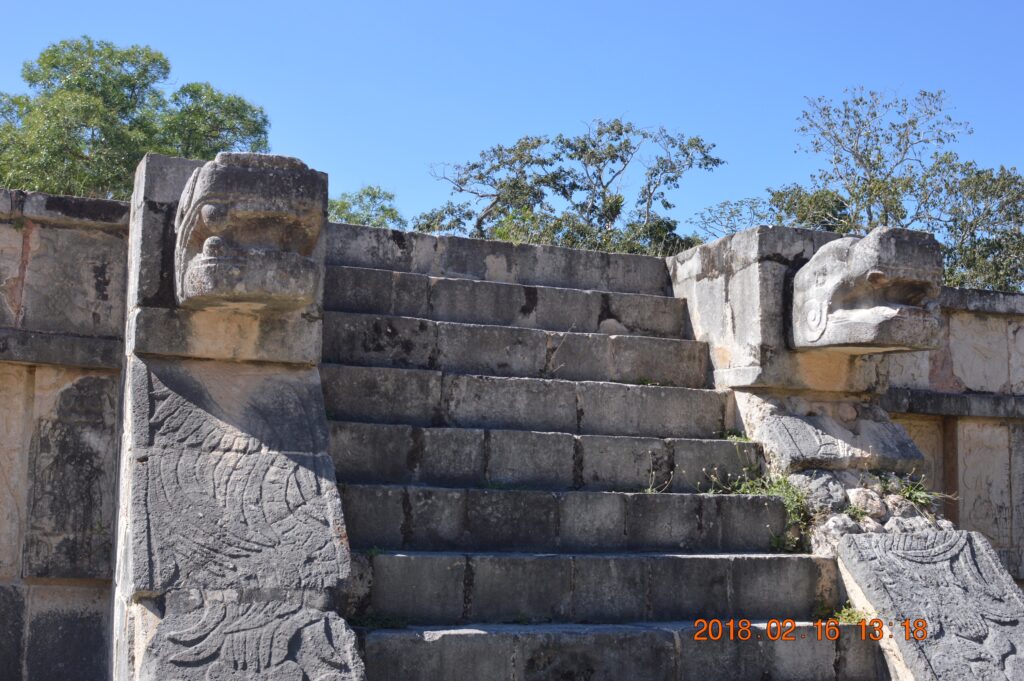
{"points": [[963, 404], [62, 282]]}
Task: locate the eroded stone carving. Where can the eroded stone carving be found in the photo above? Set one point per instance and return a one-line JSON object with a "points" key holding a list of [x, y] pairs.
{"points": [[224, 503], [797, 434], [953, 581], [872, 294], [72, 464], [246, 229], [227, 637], [232, 538]]}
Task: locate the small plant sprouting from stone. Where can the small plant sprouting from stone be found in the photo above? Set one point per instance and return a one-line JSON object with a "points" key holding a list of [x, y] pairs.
{"points": [[736, 436], [856, 512], [847, 615], [915, 490], [647, 381], [552, 369], [653, 488], [373, 552], [798, 515], [916, 493]]}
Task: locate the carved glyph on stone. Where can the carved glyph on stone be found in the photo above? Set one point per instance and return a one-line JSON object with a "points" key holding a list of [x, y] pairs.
{"points": [[872, 294], [246, 230], [955, 582]]}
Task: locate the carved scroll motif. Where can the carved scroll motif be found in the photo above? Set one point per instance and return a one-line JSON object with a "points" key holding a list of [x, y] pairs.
{"points": [[953, 581], [222, 640], [872, 294]]}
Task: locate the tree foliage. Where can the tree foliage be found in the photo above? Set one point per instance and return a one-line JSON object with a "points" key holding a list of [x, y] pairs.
{"points": [[886, 161], [95, 109], [370, 206], [573, 191]]}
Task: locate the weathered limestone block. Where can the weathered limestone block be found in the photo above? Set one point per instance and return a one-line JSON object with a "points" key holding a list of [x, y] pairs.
{"points": [[873, 294], [927, 434], [11, 273], [61, 278], [822, 490], [869, 502], [980, 351], [12, 631], [984, 485], [1017, 483], [71, 211], [1016, 332], [825, 537], [16, 388], [797, 434], [66, 633], [910, 369], [74, 281], [158, 183], [973, 611], [73, 458]]}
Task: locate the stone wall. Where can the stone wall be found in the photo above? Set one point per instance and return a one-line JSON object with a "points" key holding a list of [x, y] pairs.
{"points": [[63, 265], [62, 281], [963, 404]]}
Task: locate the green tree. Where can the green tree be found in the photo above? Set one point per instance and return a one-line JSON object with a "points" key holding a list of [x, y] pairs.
{"points": [[572, 190], [370, 206], [95, 109], [886, 161], [201, 121]]}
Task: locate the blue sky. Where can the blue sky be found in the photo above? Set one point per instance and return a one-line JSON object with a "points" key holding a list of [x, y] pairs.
{"points": [[377, 92]]}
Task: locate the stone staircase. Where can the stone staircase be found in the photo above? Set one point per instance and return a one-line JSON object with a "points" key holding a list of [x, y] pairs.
{"points": [[519, 435]]}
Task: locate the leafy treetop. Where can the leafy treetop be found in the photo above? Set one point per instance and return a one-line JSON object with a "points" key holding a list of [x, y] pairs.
{"points": [[886, 161], [95, 109], [572, 190]]}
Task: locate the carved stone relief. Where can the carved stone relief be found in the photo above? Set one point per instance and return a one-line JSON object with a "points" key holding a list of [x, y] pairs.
{"points": [[973, 611], [233, 540], [224, 637], [247, 226], [876, 293]]}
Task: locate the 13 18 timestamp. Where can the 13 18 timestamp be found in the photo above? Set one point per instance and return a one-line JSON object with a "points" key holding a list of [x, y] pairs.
{"points": [[789, 630]]}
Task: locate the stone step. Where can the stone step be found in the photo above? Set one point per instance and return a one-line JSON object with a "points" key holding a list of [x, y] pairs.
{"points": [[356, 289], [662, 651], [413, 517], [456, 588], [471, 457], [500, 261], [432, 398], [409, 342]]}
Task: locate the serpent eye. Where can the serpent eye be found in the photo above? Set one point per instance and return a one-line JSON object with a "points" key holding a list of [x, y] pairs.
{"points": [[214, 213]]}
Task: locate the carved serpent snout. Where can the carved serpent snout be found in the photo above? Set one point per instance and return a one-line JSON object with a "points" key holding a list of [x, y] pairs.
{"points": [[247, 230], [869, 294]]}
